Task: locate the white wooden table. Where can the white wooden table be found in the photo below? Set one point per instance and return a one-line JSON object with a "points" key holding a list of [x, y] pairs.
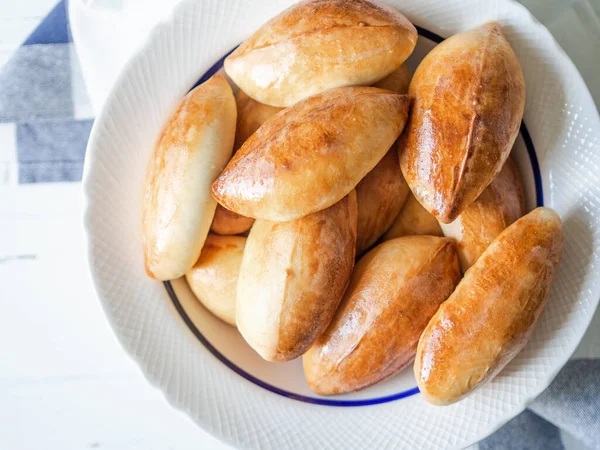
{"points": [[65, 383]]}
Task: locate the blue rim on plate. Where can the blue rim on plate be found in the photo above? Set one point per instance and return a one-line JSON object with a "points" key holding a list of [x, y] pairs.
{"points": [[319, 400]]}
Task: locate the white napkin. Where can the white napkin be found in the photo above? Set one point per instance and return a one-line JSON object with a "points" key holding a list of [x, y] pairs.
{"points": [[106, 33]]}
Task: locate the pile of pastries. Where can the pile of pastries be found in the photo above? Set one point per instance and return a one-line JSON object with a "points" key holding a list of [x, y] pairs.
{"points": [[338, 209]]}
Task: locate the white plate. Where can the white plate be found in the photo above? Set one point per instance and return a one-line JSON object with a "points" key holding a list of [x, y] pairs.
{"points": [[206, 369]]}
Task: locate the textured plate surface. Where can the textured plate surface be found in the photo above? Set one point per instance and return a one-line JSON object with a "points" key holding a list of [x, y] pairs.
{"points": [[564, 127]]}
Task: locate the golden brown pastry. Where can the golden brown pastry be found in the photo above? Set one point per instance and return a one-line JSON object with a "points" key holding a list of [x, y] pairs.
{"points": [[227, 222], [499, 205], [311, 155], [292, 278], [397, 81], [250, 116], [413, 220], [321, 44], [214, 277], [193, 148], [395, 289], [383, 191], [469, 96], [491, 314], [380, 196]]}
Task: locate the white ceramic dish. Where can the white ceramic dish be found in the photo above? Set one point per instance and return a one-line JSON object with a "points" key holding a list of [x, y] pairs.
{"points": [[205, 368]]}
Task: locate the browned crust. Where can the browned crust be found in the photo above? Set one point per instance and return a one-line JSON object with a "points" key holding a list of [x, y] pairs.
{"points": [[509, 192], [294, 274], [305, 316], [316, 15], [309, 156], [250, 116], [227, 222], [380, 197], [412, 220], [319, 45], [498, 206], [394, 291], [469, 99], [177, 207], [491, 314]]}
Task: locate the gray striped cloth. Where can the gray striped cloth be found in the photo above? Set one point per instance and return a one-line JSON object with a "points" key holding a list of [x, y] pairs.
{"points": [[45, 121]]}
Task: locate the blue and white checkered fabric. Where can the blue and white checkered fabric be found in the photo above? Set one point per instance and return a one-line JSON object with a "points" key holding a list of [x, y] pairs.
{"points": [[45, 121], [45, 115]]}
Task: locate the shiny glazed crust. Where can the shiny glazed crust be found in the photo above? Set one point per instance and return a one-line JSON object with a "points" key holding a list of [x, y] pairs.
{"points": [[395, 289], [491, 314], [380, 197], [309, 156], [499, 205], [194, 146], [469, 97], [250, 116], [321, 44], [292, 278], [214, 277], [413, 220]]}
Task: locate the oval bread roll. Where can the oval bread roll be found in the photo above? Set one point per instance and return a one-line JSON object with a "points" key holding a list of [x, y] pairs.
{"points": [[292, 278], [499, 205], [380, 196], [317, 45], [193, 148], [491, 314], [311, 155], [397, 81], [469, 96], [214, 277], [250, 116], [413, 220], [395, 289]]}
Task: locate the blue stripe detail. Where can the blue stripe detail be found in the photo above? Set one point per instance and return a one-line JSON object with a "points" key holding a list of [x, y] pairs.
{"points": [[267, 386], [315, 400], [214, 69], [535, 166], [429, 35], [53, 30]]}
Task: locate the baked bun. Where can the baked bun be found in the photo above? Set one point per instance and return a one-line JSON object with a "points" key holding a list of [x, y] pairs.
{"points": [[193, 148], [380, 196], [292, 278], [309, 156], [318, 45], [413, 220], [499, 205], [250, 116], [214, 277], [395, 289], [469, 97], [491, 314]]}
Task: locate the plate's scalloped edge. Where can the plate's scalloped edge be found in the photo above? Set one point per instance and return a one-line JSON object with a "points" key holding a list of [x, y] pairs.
{"points": [[552, 375], [143, 367]]}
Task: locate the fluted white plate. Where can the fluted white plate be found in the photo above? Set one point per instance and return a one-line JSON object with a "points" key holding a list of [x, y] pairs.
{"points": [[205, 368]]}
